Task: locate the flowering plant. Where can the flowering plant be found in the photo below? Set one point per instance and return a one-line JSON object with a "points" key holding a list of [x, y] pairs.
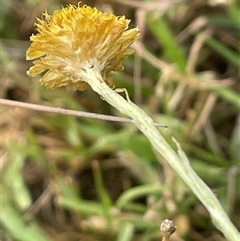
{"points": [[77, 38], [81, 46]]}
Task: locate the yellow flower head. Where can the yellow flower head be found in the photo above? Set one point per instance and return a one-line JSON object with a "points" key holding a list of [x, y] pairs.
{"points": [[77, 38]]}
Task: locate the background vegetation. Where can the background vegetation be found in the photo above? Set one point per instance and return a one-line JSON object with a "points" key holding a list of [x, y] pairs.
{"points": [[67, 178]]}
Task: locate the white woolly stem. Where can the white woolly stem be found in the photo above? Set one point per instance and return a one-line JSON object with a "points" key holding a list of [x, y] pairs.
{"points": [[178, 161]]}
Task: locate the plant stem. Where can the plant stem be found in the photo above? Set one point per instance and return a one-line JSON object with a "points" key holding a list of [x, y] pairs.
{"points": [[178, 161], [63, 111], [69, 112]]}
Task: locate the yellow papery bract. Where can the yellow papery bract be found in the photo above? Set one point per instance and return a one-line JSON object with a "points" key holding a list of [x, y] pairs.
{"points": [[77, 38]]}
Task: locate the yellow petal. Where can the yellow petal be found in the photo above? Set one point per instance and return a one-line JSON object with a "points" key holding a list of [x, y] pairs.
{"points": [[76, 38]]}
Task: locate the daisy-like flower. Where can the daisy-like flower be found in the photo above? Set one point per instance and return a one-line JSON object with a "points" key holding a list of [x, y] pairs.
{"points": [[77, 38]]}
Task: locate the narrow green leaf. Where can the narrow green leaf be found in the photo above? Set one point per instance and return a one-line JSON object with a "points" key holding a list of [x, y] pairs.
{"points": [[228, 94], [166, 38], [126, 232], [137, 192], [235, 141], [102, 192], [223, 50], [18, 229], [84, 207], [17, 186]]}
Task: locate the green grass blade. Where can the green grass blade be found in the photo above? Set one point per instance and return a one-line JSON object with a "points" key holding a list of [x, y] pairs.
{"points": [[126, 232], [234, 11], [137, 192], [82, 206], [17, 186], [102, 192], [166, 38], [228, 94], [223, 50], [18, 229]]}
